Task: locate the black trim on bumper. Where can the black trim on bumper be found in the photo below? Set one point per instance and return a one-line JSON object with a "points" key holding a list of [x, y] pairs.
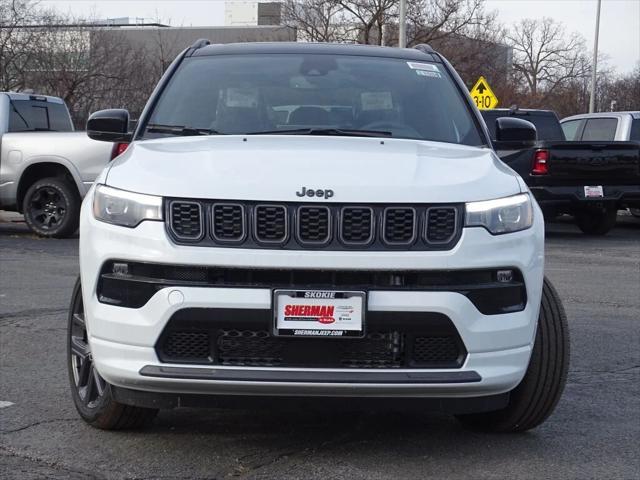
{"points": [[273, 403], [143, 280], [309, 376]]}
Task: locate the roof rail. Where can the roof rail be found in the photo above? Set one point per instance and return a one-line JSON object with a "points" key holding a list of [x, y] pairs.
{"points": [[424, 48], [203, 42]]}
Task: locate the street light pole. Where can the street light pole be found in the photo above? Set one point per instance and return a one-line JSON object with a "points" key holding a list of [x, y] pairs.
{"points": [[592, 99], [402, 23]]}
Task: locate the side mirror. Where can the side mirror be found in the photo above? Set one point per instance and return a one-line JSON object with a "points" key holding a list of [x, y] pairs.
{"points": [[109, 126], [509, 129]]}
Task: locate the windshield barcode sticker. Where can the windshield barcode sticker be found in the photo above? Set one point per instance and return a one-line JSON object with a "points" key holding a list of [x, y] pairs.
{"points": [[424, 66]]}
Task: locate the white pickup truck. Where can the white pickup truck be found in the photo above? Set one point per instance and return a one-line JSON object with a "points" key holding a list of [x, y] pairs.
{"points": [[45, 167]]}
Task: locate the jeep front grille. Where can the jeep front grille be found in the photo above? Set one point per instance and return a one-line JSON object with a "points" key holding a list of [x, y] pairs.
{"points": [[356, 225], [399, 226], [441, 224], [314, 225], [186, 220], [270, 223], [229, 222], [323, 226]]}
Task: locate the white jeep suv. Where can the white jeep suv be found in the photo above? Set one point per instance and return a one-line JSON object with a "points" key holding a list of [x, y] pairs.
{"points": [[308, 220]]}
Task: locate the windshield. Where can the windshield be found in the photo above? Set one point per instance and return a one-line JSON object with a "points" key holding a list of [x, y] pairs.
{"points": [[313, 94]]}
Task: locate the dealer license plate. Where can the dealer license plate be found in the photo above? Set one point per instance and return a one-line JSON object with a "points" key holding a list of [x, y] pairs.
{"points": [[318, 313], [593, 191]]}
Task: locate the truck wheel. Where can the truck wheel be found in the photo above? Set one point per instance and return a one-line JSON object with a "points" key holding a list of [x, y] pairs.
{"points": [[635, 212], [596, 222], [52, 208], [90, 392], [535, 398]]}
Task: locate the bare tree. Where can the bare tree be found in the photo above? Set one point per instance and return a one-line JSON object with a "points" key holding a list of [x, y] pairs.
{"points": [[433, 20], [544, 56], [369, 17], [16, 18], [316, 20]]}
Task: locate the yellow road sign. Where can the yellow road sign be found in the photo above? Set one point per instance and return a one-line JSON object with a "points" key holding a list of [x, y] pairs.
{"points": [[483, 95]]}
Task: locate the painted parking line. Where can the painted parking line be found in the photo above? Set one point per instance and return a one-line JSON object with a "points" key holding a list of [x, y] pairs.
{"points": [[4, 404]]}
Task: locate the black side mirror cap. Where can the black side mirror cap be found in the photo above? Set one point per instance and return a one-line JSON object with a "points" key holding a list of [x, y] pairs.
{"points": [[109, 126], [509, 129]]}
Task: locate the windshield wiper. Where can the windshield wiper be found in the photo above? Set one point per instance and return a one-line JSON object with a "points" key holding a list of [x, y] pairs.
{"points": [[180, 130], [340, 132]]}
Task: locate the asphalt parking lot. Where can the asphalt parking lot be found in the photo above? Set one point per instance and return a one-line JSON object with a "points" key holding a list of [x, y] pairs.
{"points": [[591, 435]]}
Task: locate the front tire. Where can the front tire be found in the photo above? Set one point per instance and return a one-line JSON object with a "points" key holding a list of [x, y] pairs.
{"points": [[596, 222], [535, 398], [91, 394], [52, 208]]}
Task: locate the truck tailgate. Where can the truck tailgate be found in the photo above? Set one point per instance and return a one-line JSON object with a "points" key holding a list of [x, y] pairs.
{"points": [[601, 162]]}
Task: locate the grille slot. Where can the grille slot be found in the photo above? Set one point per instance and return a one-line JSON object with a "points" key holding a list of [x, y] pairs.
{"points": [[314, 225], [258, 348], [399, 226], [188, 345], [441, 224], [228, 222], [248, 348], [356, 225], [186, 220], [271, 224], [435, 350]]}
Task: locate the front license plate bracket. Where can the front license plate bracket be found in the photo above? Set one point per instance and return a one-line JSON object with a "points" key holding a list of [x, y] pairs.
{"points": [[319, 313]]}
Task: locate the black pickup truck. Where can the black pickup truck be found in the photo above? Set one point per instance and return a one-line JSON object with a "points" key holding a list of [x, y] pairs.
{"points": [[589, 180]]}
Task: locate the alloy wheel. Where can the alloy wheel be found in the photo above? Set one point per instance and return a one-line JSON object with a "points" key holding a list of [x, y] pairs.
{"points": [[48, 208], [89, 385]]}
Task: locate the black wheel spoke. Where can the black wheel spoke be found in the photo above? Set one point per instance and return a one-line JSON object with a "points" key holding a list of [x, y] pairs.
{"points": [[79, 348], [83, 374], [90, 386], [78, 320], [99, 382]]}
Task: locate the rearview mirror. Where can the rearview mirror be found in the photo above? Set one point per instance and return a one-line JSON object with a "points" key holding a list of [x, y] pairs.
{"points": [[109, 126], [509, 129]]}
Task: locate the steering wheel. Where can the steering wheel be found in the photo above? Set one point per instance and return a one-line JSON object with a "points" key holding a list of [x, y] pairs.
{"points": [[390, 125]]}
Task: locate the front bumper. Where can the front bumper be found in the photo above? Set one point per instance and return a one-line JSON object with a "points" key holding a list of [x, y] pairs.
{"points": [[123, 340]]}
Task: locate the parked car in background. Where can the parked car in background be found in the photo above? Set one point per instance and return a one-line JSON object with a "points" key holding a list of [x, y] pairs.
{"points": [[45, 167], [606, 126], [602, 127], [589, 179]]}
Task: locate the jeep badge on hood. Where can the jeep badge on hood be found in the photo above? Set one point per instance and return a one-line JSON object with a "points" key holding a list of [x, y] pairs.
{"points": [[309, 192]]}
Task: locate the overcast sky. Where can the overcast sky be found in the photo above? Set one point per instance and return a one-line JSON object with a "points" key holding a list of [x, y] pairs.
{"points": [[619, 22]]}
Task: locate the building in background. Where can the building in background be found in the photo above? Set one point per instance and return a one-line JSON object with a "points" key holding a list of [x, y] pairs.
{"points": [[252, 13]]}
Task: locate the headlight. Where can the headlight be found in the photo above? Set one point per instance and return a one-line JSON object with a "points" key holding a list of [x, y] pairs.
{"points": [[124, 208], [502, 215]]}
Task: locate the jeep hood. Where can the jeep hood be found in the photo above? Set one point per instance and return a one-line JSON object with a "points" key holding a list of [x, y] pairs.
{"points": [[274, 168]]}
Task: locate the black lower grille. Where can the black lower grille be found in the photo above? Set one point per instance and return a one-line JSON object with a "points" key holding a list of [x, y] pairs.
{"points": [[243, 338], [433, 350], [188, 345], [248, 348]]}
